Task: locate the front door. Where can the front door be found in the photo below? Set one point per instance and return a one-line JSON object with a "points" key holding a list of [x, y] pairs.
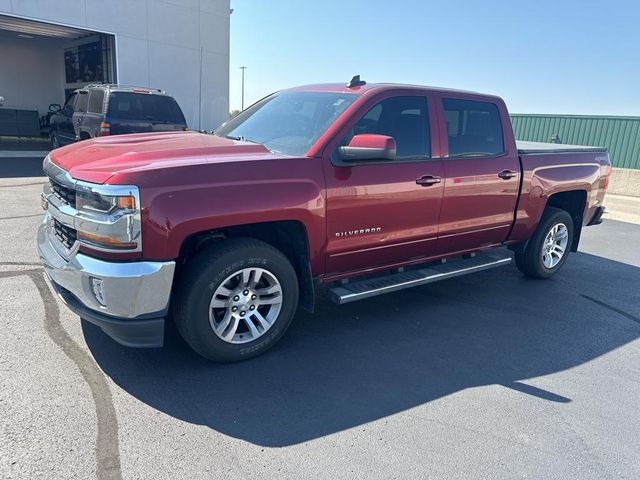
{"points": [[481, 175], [381, 213], [80, 112], [65, 131]]}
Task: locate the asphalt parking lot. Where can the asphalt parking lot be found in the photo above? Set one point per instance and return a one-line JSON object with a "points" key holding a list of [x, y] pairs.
{"points": [[485, 376]]}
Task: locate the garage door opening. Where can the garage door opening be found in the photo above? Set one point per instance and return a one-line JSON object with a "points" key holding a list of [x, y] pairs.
{"points": [[41, 64]]}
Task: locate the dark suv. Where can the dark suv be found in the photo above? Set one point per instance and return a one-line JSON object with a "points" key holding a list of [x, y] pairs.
{"points": [[101, 110]]}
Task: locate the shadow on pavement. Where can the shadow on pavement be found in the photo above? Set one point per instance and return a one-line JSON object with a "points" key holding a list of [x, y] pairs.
{"points": [[348, 365], [20, 167]]}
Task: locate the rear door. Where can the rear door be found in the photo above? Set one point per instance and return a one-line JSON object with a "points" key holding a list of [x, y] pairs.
{"points": [[481, 174], [377, 212]]}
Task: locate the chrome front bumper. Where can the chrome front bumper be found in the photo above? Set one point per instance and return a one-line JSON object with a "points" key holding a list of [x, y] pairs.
{"points": [[136, 294]]}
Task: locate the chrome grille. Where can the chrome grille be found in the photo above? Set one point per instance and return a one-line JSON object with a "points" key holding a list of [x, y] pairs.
{"points": [[66, 235], [66, 194]]}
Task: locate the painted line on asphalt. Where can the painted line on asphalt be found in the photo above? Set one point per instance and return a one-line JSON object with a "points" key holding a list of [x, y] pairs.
{"points": [[18, 273], [107, 448]]}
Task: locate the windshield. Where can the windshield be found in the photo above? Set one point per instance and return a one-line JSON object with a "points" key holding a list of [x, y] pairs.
{"points": [[288, 122]]}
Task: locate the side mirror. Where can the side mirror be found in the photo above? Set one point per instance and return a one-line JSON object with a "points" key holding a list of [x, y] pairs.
{"points": [[55, 107], [369, 146], [68, 110]]}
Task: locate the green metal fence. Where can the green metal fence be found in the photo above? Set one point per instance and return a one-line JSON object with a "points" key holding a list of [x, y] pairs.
{"points": [[621, 135]]}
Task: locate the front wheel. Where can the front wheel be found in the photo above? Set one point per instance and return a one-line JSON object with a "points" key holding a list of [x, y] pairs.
{"points": [[235, 299], [548, 248]]}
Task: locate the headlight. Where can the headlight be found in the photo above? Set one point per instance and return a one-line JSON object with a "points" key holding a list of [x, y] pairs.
{"points": [[108, 217], [92, 202]]}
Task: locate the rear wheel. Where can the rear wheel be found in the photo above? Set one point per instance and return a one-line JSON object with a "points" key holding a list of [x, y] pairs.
{"points": [[235, 299], [548, 248]]}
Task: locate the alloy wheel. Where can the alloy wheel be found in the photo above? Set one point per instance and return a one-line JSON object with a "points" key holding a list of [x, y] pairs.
{"points": [[554, 246], [245, 305]]}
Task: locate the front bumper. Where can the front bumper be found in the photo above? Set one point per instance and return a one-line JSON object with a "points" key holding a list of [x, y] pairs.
{"points": [[136, 294]]}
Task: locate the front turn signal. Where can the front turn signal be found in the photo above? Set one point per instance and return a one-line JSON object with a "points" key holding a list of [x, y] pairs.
{"points": [[104, 241]]}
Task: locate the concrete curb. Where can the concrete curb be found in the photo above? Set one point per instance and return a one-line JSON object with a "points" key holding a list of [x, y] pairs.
{"points": [[623, 208], [23, 153]]}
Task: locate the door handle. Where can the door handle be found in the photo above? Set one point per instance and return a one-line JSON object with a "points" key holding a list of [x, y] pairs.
{"points": [[428, 180], [507, 174]]}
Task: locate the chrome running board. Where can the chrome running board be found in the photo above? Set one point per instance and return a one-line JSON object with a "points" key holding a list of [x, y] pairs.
{"points": [[371, 287]]}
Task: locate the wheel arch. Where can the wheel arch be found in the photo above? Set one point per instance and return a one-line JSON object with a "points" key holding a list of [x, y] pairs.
{"points": [[574, 203], [288, 236]]}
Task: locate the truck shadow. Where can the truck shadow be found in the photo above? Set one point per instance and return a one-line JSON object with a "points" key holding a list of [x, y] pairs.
{"points": [[349, 365]]}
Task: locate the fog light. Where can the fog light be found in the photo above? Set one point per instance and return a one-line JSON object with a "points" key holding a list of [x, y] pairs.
{"points": [[98, 290]]}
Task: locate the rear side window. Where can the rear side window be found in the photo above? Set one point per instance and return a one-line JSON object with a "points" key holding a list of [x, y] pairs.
{"points": [[81, 103], [405, 119], [96, 97], [474, 128], [143, 106]]}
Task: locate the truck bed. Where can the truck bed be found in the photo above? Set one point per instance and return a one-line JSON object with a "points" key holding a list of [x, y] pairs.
{"points": [[539, 147]]}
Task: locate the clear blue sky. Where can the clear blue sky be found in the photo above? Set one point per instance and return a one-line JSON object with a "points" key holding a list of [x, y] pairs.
{"points": [[541, 56]]}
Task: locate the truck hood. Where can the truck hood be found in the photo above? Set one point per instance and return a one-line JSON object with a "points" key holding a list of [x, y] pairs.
{"points": [[100, 159]]}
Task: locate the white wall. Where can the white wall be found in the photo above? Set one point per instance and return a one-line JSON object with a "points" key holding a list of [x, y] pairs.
{"points": [[159, 43], [31, 73]]}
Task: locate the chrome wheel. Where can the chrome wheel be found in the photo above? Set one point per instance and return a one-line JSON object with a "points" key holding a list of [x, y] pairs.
{"points": [[245, 305], [555, 245]]}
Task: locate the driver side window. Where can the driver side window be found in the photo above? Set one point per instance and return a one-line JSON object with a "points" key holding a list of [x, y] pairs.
{"points": [[405, 119], [69, 104]]}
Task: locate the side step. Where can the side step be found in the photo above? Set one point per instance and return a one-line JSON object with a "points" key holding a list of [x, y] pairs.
{"points": [[371, 287]]}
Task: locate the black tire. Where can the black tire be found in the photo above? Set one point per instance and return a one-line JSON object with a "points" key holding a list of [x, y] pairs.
{"points": [[530, 261], [202, 276]]}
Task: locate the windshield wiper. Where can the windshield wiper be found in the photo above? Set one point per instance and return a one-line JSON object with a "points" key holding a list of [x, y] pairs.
{"points": [[241, 138]]}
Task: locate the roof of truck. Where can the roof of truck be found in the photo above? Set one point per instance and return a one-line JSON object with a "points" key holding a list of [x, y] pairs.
{"points": [[360, 89]]}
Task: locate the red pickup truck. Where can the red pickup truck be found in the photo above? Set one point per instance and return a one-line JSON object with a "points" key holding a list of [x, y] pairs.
{"points": [[370, 188]]}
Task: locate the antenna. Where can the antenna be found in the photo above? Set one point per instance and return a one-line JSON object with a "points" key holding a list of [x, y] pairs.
{"points": [[356, 82]]}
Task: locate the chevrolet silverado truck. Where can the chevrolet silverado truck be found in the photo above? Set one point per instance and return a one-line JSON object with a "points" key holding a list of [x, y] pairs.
{"points": [[367, 188]]}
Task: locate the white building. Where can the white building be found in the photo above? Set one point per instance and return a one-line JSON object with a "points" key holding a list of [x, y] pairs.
{"points": [[50, 47]]}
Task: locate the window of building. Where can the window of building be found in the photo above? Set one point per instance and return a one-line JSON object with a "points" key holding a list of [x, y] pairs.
{"points": [[473, 128]]}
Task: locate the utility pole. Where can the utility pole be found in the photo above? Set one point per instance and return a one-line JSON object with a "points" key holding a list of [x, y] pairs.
{"points": [[243, 69]]}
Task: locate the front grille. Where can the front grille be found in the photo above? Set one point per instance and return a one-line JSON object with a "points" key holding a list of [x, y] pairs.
{"points": [[66, 235], [66, 194]]}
